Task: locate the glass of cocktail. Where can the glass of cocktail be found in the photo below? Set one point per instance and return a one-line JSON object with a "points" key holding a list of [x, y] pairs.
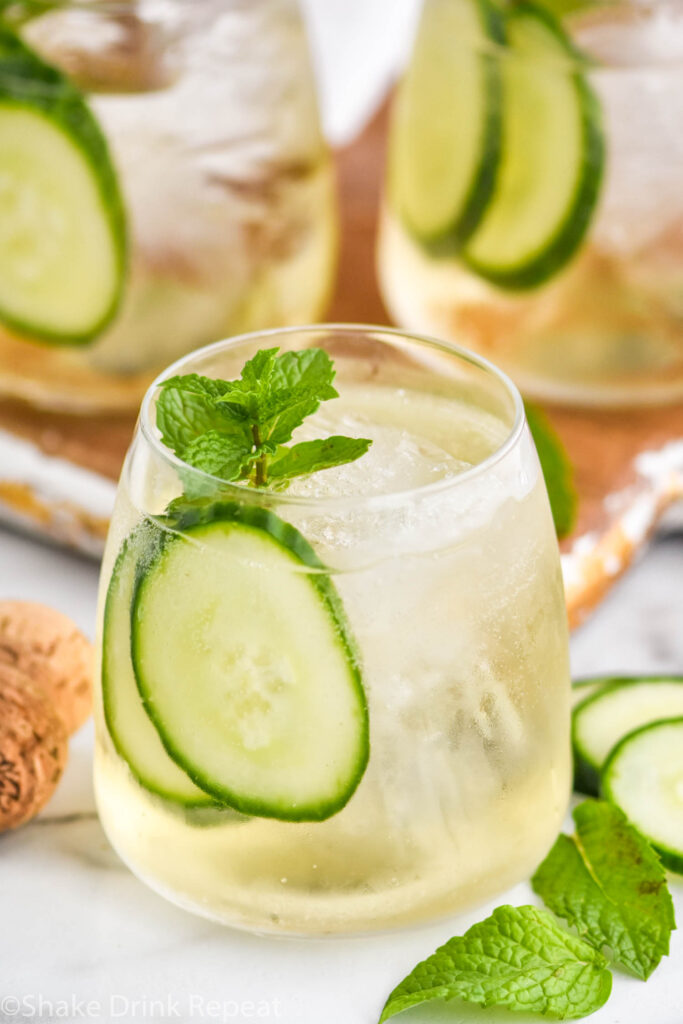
{"points": [[533, 207], [335, 689], [163, 183]]}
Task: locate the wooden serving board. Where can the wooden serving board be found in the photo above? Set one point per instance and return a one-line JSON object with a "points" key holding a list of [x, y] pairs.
{"points": [[57, 471]]}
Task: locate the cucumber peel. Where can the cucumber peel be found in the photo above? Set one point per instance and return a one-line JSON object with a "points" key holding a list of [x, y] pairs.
{"points": [[247, 667], [616, 707], [134, 737], [446, 132], [63, 237], [553, 156]]}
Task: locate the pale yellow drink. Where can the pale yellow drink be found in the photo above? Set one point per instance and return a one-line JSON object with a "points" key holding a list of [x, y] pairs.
{"points": [[442, 549]]}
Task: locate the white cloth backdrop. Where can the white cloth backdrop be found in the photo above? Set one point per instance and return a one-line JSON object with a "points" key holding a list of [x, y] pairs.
{"points": [[358, 46]]}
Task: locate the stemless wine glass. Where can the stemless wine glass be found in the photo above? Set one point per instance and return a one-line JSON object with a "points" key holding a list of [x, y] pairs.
{"points": [[342, 706], [209, 111], [534, 208]]}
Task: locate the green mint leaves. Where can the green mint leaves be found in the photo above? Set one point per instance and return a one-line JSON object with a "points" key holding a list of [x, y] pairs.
{"points": [[557, 470], [239, 429], [519, 958], [310, 456], [608, 883]]}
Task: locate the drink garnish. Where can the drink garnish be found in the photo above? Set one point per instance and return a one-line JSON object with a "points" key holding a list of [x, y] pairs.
{"points": [[238, 430], [63, 235]]}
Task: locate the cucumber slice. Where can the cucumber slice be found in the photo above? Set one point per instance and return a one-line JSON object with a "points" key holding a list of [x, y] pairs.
{"points": [[247, 666], [133, 735], [644, 776], [551, 169], [62, 219], [601, 719], [588, 685], [446, 131]]}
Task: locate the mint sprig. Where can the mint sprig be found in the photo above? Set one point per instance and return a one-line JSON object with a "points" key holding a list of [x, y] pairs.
{"points": [[518, 958], [239, 429], [608, 883]]}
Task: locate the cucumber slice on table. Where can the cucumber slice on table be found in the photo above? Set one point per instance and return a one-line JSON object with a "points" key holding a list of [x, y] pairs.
{"points": [[247, 667], [582, 688], [588, 685], [604, 717], [62, 219], [132, 732], [445, 138], [644, 776], [552, 160]]}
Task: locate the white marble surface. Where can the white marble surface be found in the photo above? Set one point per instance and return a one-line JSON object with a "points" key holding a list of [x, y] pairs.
{"points": [[82, 939], [78, 928]]}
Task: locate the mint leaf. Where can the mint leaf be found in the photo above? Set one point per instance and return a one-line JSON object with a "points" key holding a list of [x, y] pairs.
{"points": [[193, 383], [244, 398], [608, 883], [257, 371], [301, 381], [557, 470], [311, 369], [186, 409], [236, 430], [182, 417], [221, 455], [518, 958], [311, 456], [279, 392]]}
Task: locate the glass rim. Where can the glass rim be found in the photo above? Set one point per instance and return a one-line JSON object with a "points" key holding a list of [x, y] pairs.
{"points": [[239, 492]]}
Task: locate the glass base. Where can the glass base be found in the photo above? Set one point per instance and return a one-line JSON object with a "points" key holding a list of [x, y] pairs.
{"points": [[275, 878]]}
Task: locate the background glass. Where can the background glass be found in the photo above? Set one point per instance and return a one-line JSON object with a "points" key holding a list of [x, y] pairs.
{"points": [[606, 328], [209, 109]]}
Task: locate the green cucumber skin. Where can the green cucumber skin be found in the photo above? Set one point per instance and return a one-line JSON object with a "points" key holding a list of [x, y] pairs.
{"points": [[27, 82], [152, 541], [587, 775], [572, 230], [607, 682], [671, 859], [202, 514], [448, 243], [586, 779]]}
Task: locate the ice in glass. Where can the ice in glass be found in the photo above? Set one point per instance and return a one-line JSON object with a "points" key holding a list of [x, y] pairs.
{"points": [[342, 705]]}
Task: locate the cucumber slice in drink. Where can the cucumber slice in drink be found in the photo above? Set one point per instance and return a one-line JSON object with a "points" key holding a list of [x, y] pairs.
{"points": [[644, 776], [446, 130], [133, 735], [552, 161], [247, 666], [62, 219], [603, 718]]}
